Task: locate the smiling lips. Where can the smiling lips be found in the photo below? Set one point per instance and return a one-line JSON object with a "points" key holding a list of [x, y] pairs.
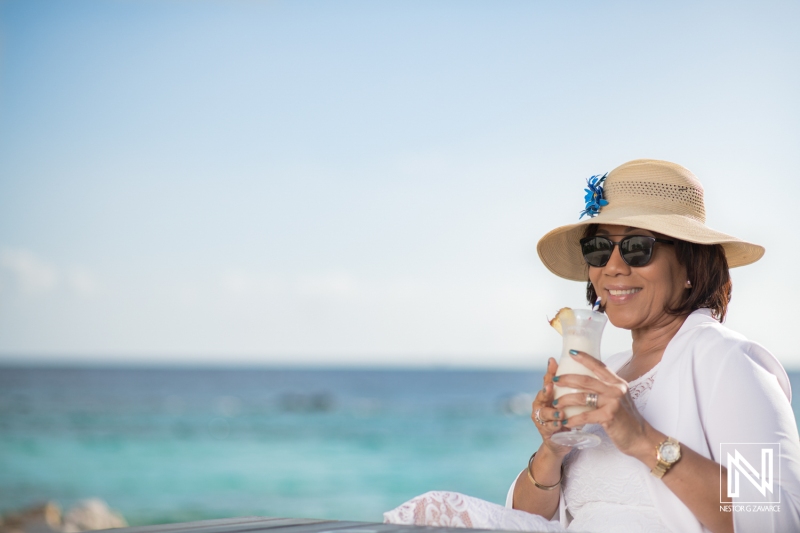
{"points": [[620, 295], [622, 292]]}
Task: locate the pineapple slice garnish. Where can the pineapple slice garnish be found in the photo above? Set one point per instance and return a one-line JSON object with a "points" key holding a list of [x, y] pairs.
{"points": [[565, 313]]}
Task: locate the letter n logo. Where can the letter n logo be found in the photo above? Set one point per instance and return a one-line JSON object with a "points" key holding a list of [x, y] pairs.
{"points": [[751, 471]]}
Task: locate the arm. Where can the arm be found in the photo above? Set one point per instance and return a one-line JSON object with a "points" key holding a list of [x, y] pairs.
{"points": [[694, 479], [745, 402], [546, 465], [546, 470]]}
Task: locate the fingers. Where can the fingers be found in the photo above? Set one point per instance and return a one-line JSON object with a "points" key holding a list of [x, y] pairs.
{"points": [[549, 420], [588, 383], [597, 366], [578, 398], [544, 398], [549, 414], [552, 366], [600, 416], [546, 394]]}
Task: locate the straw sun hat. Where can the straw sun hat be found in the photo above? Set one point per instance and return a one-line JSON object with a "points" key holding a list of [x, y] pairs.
{"points": [[654, 195]]}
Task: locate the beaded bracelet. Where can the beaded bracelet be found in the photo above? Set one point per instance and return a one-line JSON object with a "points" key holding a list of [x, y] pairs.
{"points": [[536, 483]]}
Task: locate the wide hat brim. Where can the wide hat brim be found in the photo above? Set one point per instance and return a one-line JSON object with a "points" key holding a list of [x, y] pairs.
{"points": [[560, 249]]}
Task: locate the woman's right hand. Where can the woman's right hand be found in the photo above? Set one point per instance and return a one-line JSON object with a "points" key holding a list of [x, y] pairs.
{"points": [[551, 417]]}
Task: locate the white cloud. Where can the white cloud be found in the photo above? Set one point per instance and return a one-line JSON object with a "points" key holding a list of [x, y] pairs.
{"points": [[243, 283], [333, 286], [327, 285], [32, 274], [82, 282]]}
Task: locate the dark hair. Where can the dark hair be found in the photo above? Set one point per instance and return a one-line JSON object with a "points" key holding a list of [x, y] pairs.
{"points": [[707, 269]]}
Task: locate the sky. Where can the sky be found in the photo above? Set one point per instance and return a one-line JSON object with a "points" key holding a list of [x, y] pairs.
{"points": [[364, 183]]}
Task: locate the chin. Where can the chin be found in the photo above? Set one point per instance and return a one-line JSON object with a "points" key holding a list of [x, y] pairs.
{"points": [[621, 319]]}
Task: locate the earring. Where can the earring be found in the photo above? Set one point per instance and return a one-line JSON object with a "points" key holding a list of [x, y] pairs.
{"points": [[688, 284]]}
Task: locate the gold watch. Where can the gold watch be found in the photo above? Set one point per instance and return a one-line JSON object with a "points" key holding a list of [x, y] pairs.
{"points": [[667, 453]]}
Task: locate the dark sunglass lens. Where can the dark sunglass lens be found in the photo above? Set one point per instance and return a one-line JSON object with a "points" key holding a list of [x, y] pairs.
{"points": [[636, 250], [597, 251]]}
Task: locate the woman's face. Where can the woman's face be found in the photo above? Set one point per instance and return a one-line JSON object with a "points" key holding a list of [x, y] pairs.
{"points": [[637, 297]]}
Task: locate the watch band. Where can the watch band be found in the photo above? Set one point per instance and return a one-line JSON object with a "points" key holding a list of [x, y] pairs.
{"points": [[663, 466], [660, 469]]}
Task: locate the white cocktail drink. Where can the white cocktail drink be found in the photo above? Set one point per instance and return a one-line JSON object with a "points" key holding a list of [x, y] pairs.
{"points": [[582, 331], [568, 365]]}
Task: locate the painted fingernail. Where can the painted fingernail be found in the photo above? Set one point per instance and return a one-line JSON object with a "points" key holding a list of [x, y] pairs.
{"points": [[564, 422], [557, 414], [555, 423], [555, 378], [555, 402], [573, 352]]}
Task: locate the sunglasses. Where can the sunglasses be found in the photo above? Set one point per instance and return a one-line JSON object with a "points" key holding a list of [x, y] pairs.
{"points": [[636, 250]]}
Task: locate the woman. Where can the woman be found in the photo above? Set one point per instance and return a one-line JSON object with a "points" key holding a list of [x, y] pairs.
{"points": [[666, 410]]}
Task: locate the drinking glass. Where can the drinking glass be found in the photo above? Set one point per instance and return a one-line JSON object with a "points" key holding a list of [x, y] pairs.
{"points": [[581, 331]]}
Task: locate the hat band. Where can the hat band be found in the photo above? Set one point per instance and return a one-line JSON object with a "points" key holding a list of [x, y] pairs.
{"points": [[641, 208], [662, 197]]}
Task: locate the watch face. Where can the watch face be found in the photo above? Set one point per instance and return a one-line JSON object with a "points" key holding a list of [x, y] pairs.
{"points": [[670, 452]]}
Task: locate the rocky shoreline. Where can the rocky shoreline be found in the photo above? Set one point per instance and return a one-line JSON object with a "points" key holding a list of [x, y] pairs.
{"points": [[87, 515]]}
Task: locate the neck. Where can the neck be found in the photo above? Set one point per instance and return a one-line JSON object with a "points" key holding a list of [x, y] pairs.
{"points": [[651, 341]]}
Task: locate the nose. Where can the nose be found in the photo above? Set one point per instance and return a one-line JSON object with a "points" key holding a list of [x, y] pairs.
{"points": [[616, 265]]}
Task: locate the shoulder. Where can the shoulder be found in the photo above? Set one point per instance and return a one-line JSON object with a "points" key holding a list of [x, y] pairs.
{"points": [[716, 350], [705, 338], [705, 333]]}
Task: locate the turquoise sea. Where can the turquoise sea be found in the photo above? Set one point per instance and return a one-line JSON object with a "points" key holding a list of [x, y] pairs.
{"points": [[169, 445]]}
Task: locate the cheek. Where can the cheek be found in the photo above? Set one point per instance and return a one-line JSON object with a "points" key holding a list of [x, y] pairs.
{"points": [[666, 283], [674, 278]]}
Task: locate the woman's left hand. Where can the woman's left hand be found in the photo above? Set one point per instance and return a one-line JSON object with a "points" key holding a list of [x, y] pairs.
{"points": [[615, 410]]}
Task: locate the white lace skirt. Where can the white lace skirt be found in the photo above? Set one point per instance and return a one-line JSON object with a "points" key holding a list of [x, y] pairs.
{"points": [[452, 509]]}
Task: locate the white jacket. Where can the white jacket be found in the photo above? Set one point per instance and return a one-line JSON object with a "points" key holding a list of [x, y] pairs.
{"points": [[714, 386]]}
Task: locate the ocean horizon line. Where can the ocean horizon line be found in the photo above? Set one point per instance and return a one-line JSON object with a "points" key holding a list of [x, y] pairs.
{"points": [[182, 364], [148, 362]]}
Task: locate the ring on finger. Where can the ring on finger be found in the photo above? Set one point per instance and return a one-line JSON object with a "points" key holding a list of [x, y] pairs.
{"points": [[591, 400], [536, 417]]}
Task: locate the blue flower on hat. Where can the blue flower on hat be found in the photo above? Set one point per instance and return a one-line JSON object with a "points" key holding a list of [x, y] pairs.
{"points": [[594, 196]]}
